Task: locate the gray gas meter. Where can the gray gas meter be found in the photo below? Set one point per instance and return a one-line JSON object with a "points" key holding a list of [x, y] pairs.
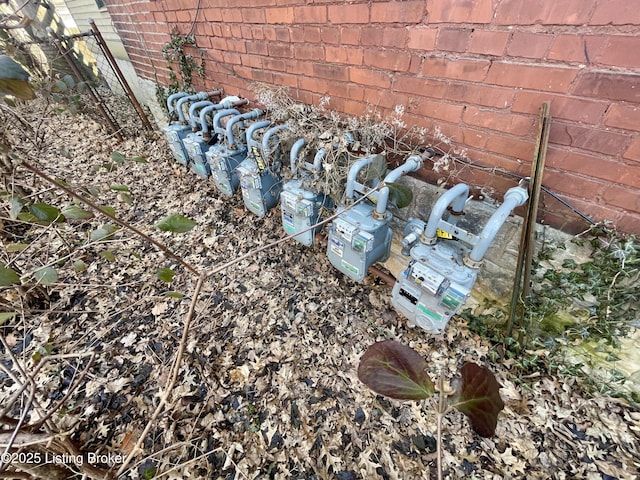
{"points": [[361, 236], [194, 143], [225, 157], [178, 129], [300, 202], [445, 259], [260, 179], [198, 143]]}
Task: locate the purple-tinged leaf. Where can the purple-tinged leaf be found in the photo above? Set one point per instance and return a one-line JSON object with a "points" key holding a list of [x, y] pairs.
{"points": [[396, 371], [479, 399]]}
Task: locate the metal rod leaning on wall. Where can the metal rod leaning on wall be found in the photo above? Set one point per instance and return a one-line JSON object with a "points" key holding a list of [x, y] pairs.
{"points": [[121, 78], [521, 284], [65, 54], [535, 199]]}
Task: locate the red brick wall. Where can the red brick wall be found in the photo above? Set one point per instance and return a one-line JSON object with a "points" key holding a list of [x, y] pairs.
{"points": [[477, 69]]}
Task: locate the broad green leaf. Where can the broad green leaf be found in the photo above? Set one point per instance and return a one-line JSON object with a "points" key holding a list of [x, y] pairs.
{"points": [[174, 294], [8, 277], [42, 351], [45, 212], [176, 223], [79, 266], [478, 397], [62, 87], [4, 316], [165, 274], [149, 472], [118, 157], [46, 276], [17, 247], [109, 210], [103, 233], [124, 197], [15, 207], [138, 159], [68, 79], [76, 213], [119, 187], [108, 255], [93, 191], [400, 194], [396, 371], [27, 217]]}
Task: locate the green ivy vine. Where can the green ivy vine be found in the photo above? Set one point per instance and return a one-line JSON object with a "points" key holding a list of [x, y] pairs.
{"points": [[182, 65]]}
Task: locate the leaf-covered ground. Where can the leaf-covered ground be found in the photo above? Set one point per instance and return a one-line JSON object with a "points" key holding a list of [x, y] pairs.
{"points": [[268, 386]]}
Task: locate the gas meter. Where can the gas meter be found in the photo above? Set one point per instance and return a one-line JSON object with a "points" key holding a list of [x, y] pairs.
{"points": [[193, 142], [299, 201], [361, 236], [178, 129], [225, 157], [260, 178], [445, 259], [198, 143]]}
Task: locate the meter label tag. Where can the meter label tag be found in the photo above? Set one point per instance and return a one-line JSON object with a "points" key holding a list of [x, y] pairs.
{"points": [[256, 208], [225, 188], [442, 234], [287, 223], [429, 313], [337, 247], [258, 157], [350, 268]]}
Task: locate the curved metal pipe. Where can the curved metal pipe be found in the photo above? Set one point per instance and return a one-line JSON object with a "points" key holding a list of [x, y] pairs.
{"points": [[233, 102], [182, 101], [255, 126], [227, 103], [295, 151], [240, 118], [204, 126], [317, 160], [171, 99], [413, 163], [192, 113], [514, 197], [266, 138], [193, 98], [353, 173], [456, 196], [217, 118]]}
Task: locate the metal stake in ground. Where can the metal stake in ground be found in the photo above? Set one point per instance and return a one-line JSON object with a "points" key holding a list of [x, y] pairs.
{"points": [[527, 241]]}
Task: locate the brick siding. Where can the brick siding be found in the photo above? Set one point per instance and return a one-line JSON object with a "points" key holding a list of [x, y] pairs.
{"points": [[477, 69]]}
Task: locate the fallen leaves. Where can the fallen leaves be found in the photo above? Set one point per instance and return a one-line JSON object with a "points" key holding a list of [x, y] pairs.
{"points": [[268, 386]]}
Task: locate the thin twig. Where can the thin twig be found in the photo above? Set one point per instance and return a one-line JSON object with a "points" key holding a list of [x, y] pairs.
{"points": [[16, 430], [189, 318], [77, 383], [122, 223], [287, 238], [175, 369]]}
